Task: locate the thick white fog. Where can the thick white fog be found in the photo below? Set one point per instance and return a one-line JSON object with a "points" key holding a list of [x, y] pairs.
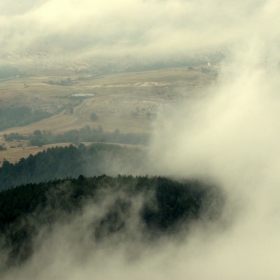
{"points": [[230, 134]]}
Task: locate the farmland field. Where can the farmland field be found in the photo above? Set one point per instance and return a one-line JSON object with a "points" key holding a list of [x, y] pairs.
{"points": [[128, 102]]}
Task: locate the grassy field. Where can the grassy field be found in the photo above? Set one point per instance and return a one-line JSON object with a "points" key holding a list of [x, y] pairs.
{"points": [[125, 101]]}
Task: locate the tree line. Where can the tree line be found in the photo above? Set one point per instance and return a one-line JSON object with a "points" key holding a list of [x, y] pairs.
{"points": [[60, 162], [85, 134]]}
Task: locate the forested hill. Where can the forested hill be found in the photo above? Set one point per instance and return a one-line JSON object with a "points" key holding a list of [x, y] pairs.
{"points": [[117, 208], [61, 162]]}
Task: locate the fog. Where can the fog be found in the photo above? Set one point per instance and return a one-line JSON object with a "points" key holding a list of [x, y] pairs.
{"points": [[230, 134], [144, 30]]}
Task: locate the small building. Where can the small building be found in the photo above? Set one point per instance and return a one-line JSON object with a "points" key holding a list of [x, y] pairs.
{"points": [[83, 95]]}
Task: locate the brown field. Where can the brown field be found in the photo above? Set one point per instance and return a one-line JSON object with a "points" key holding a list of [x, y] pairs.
{"points": [[116, 96]]}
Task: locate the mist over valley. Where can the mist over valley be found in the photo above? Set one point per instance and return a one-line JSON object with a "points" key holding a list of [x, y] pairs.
{"points": [[139, 139]]}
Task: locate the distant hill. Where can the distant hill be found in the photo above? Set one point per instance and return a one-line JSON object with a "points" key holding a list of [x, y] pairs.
{"points": [[20, 116], [7, 71]]}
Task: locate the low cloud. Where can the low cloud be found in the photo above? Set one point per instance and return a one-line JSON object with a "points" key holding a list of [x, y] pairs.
{"points": [[142, 29], [231, 135]]}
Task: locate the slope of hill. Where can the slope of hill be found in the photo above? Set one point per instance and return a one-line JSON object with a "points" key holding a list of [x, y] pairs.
{"points": [[101, 209]]}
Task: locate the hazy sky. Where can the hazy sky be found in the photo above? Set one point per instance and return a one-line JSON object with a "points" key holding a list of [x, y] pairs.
{"points": [[133, 27]]}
